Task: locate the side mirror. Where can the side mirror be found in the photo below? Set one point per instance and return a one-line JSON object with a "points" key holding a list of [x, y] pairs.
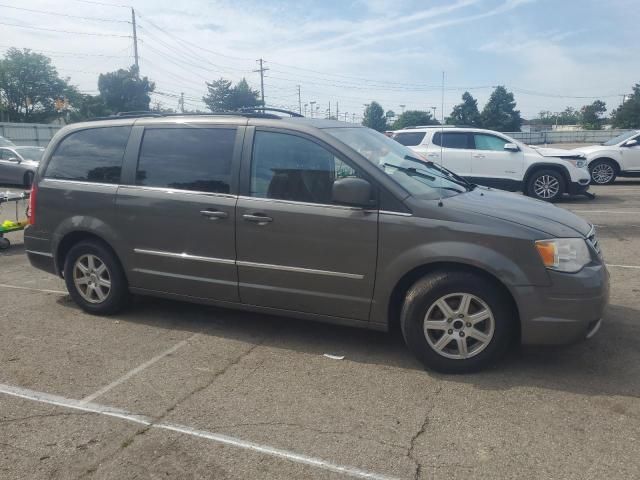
{"points": [[14, 159], [355, 192], [511, 147], [631, 143]]}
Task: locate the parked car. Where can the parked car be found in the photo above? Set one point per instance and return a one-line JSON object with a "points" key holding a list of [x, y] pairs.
{"points": [[19, 164], [5, 142], [496, 160], [618, 157], [313, 219]]}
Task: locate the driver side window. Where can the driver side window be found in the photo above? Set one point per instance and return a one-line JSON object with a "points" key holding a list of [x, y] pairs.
{"points": [[489, 142], [288, 167]]}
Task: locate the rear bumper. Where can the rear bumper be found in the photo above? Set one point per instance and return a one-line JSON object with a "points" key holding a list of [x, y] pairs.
{"points": [[568, 311], [39, 252]]}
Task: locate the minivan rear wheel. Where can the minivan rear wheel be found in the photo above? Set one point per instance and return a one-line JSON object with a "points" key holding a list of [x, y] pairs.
{"points": [[95, 279], [457, 322]]}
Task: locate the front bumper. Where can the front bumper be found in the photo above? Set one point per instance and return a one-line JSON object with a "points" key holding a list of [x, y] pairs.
{"points": [[577, 188], [571, 309]]}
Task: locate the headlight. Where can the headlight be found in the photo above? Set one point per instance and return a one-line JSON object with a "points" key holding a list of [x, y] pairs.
{"points": [[577, 162], [564, 254]]}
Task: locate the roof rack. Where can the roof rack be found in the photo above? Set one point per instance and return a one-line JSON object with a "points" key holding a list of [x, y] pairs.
{"points": [[440, 126], [244, 112], [269, 109]]}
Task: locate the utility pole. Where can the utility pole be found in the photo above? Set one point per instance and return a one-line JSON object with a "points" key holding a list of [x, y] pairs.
{"points": [[329, 110], [337, 112], [305, 109], [345, 116], [135, 41], [312, 105], [181, 103], [299, 102], [354, 118], [261, 70]]}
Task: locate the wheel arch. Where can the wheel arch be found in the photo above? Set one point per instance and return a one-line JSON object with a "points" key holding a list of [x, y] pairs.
{"points": [[402, 286], [74, 237], [546, 166], [615, 162]]}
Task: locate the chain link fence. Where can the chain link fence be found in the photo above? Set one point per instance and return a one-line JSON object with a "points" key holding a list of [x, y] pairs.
{"points": [[31, 134], [562, 136]]}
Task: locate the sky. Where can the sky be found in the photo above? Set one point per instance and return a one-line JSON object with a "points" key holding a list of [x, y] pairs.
{"points": [[550, 53]]}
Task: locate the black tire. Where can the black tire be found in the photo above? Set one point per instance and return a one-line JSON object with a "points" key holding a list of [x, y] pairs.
{"points": [[421, 299], [603, 167], [28, 179], [553, 179], [118, 294], [4, 243]]}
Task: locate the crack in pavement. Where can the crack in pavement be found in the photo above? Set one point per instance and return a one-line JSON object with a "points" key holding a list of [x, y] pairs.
{"points": [[419, 433], [141, 431], [43, 415]]}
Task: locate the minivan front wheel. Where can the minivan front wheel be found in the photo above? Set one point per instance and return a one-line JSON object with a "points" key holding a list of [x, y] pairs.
{"points": [[95, 279], [457, 322]]}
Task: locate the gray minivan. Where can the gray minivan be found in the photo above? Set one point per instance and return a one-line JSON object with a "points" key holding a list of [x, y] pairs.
{"points": [[313, 219]]}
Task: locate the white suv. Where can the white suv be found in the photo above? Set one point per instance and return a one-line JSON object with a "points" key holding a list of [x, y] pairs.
{"points": [[493, 159], [619, 157]]}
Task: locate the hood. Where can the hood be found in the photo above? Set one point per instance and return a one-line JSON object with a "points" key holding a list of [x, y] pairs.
{"points": [[542, 216], [593, 148]]}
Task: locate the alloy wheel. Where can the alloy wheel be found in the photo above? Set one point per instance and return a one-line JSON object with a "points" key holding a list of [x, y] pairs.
{"points": [[459, 325], [92, 278], [602, 173], [546, 186]]}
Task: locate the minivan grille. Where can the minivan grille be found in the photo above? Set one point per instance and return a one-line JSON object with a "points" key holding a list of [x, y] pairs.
{"points": [[593, 240]]}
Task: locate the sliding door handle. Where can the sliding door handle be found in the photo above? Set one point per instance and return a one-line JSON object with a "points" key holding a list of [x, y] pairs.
{"points": [[258, 218], [214, 214]]}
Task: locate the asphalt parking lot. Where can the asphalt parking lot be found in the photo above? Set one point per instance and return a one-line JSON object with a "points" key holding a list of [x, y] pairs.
{"points": [[174, 390]]}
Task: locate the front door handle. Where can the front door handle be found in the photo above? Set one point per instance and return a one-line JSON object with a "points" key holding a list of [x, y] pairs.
{"points": [[214, 214], [478, 155], [259, 218]]}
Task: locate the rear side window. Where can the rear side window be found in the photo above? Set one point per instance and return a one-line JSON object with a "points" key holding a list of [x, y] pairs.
{"points": [[451, 139], [409, 139], [93, 155], [197, 159]]}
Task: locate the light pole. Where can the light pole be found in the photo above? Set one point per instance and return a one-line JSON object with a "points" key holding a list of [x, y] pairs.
{"points": [[312, 104], [305, 109], [402, 108]]}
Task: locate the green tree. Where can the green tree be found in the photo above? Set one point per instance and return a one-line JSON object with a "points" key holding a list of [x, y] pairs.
{"points": [[627, 115], [86, 107], [592, 115], [413, 118], [374, 117], [465, 113], [223, 96], [500, 112], [30, 86], [124, 91]]}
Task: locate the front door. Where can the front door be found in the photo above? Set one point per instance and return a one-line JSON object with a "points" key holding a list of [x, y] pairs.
{"points": [[494, 166], [631, 156], [178, 214], [297, 250], [451, 149]]}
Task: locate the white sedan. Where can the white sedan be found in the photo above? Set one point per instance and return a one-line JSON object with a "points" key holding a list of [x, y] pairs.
{"points": [[619, 157]]}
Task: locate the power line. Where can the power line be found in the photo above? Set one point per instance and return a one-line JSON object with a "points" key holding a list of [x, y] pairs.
{"points": [[47, 12], [104, 4], [65, 31], [58, 53]]}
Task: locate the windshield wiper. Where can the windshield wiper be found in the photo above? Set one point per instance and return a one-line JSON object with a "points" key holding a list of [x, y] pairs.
{"points": [[431, 178], [455, 178]]}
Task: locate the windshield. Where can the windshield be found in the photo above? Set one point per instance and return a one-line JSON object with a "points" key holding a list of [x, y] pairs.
{"points": [[30, 153], [416, 175], [620, 138]]}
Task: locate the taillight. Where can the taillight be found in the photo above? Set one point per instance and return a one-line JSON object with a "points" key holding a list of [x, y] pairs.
{"points": [[32, 204]]}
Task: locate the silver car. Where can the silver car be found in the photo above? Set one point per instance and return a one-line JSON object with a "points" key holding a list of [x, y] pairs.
{"points": [[19, 164]]}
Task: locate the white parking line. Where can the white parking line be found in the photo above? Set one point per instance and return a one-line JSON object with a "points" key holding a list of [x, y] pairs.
{"points": [[623, 266], [135, 371], [59, 292], [212, 436]]}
